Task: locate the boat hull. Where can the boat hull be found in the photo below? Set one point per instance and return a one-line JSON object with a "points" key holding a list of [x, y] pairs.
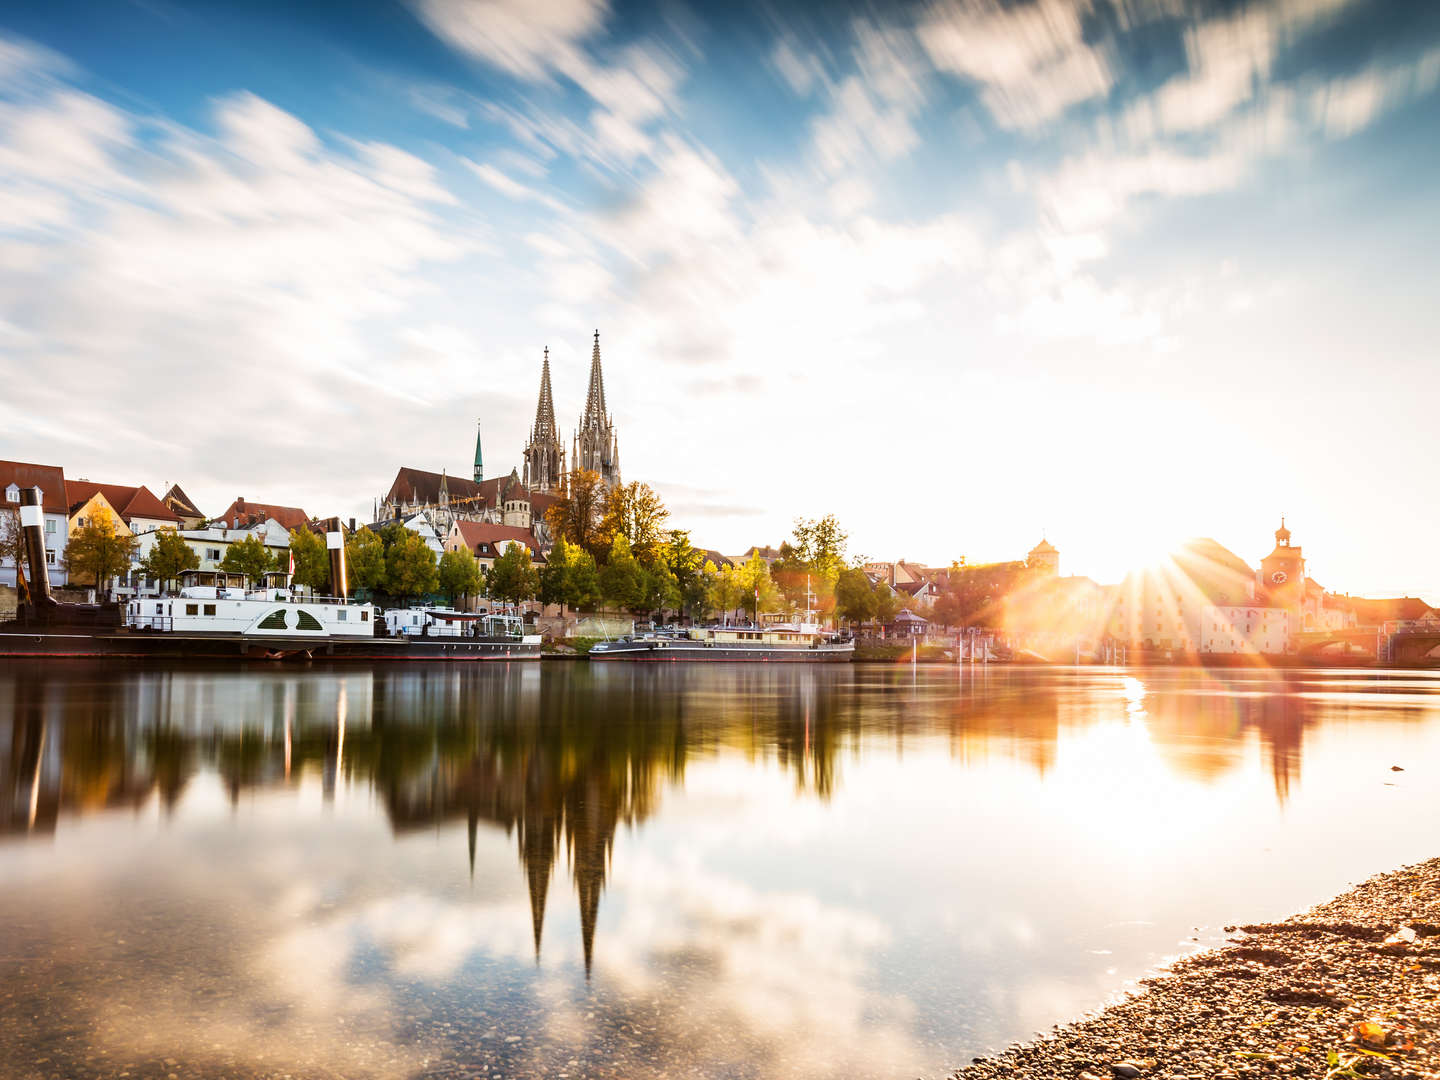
{"points": [[680, 652], [173, 646]]}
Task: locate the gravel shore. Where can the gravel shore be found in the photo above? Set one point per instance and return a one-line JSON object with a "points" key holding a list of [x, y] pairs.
{"points": [[1350, 988]]}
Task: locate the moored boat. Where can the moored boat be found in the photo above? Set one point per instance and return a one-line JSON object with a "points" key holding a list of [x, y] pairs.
{"points": [[800, 641]]}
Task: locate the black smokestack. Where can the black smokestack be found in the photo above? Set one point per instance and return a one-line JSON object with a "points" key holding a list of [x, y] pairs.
{"points": [[32, 527], [335, 541]]}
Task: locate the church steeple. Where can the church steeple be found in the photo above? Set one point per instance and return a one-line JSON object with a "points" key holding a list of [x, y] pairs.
{"points": [[597, 447], [544, 454], [479, 465]]}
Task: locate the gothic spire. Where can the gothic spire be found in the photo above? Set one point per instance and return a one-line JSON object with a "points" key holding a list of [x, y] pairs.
{"points": [[544, 431], [479, 466], [595, 400]]}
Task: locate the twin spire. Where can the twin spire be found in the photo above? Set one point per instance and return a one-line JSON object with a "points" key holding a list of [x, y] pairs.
{"points": [[595, 446]]}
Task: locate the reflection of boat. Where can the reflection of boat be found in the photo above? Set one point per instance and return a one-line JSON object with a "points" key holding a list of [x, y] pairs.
{"points": [[802, 640]]}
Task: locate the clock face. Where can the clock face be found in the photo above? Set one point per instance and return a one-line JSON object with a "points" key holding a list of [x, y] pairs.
{"points": [[1279, 577]]}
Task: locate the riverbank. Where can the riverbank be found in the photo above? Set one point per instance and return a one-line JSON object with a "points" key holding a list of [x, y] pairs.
{"points": [[1350, 988]]}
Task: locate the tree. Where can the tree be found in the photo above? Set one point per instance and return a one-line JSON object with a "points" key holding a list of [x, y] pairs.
{"points": [[248, 557], [620, 581], [855, 595], [312, 560], [686, 565], [169, 557], [95, 552], [459, 574], [12, 538], [636, 512], [513, 578], [577, 514], [820, 544], [365, 560], [659, 591], [582, 581], [974, 595], [410, 566]]}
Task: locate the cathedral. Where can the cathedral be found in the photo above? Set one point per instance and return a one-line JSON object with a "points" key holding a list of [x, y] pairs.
{"points": [[594, 446], [520, 499]]}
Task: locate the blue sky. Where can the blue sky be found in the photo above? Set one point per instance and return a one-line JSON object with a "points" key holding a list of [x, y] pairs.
{"points": [[960, 271]]}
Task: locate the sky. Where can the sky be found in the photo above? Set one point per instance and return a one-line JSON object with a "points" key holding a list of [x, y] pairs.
{"points": [[965, 273]]}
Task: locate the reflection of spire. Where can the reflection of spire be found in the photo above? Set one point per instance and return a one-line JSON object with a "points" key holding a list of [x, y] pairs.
{"points": [[537, 875], [589, 889], [474, 821]]}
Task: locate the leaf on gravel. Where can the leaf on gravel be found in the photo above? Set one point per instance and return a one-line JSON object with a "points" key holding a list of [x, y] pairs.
{"points": [[1368, 1031]]}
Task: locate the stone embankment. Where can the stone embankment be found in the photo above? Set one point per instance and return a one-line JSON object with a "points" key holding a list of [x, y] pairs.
{"points": [[1348, 989]]}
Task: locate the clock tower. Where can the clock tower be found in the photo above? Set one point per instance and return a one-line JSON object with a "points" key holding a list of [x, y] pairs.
{"points": [[1282, 574]]}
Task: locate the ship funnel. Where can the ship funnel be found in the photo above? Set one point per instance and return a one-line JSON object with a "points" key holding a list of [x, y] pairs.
{"points": [[32, 528], [335, 542]]}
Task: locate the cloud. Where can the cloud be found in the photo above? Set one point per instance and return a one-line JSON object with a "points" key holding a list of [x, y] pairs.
{"points": [[517, 36], [1031, 60], [512, 188]]}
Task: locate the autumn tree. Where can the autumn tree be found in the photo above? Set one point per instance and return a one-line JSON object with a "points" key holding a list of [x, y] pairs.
{"points": [[365, 560], [248, 557], [974, 595], [312, 560], [459, 574], [96, 552], [636, 512], [12, 539], [169, 557], [577, 514], [686, 565], [410, 567], [513, 577]]}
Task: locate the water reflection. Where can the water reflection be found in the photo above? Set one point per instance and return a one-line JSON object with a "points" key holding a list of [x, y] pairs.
{"points": [[840, 870]]}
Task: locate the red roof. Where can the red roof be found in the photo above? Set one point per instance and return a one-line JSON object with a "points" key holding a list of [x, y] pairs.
{"points": [[176, 499], [128, 502], [242, 513], [486, 540], [50, 479]]}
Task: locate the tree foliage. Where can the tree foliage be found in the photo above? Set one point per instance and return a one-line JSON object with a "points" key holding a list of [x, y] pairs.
{"points": [[974, 595], [409, 566], [365, 560], [636, 512], [459, 574], [513, 578], [169, 557], [96, 552], [620, 578], [312, 559], [855, 595], [248, 557], [576, 516]]}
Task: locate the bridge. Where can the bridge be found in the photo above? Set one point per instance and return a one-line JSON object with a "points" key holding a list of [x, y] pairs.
{"points": [[1397, 642]]}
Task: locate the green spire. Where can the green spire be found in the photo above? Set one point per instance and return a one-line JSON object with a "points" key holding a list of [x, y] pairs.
{"points": [[479, 465]]}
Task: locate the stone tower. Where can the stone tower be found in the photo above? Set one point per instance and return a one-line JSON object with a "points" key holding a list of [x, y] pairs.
{"points": [[1045, 558], [1282, 575], [544, 454], [597, 447]]}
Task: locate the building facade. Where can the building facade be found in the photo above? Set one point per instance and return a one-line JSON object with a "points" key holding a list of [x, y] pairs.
{"points": [[54, 504]]}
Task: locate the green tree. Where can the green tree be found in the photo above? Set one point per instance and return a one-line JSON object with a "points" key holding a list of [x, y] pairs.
{"points": [[169, 557], [459, 574], [620, 581], [248, 557], [95, 552], [582, 581], [365, 560], [555, 574], [410, 567], [513, 577], [697, 598], [855, 595], [312, 560], [975, 595]]}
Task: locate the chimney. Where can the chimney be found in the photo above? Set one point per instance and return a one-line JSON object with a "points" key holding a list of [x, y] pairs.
{"points": [[32, 528], [335, 541]]}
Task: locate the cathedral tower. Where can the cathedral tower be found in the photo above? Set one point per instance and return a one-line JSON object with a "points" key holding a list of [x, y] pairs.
{"points": [[597, 447], [544, 454]]}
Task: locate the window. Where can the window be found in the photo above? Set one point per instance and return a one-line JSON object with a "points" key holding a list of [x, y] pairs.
{"points": [[213, 554], [192, 609], [12, 494], [50, 557], [274, 621], [341, 615], [50, 526], [364, 616], [159, 609], [306, 621], [209, 609]]}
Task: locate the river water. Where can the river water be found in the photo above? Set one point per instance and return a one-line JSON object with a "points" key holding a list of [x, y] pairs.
{"points": [[567, 870]]}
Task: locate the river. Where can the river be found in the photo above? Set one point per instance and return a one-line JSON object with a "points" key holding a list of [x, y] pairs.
{"points": [[567, 870]]}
